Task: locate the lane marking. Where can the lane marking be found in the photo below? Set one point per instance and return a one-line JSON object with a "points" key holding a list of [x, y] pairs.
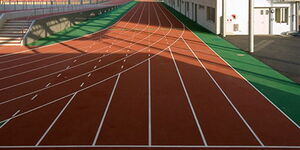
{"points": [[95, 67], [74, 60], [65, 69], [189, 100], [48, 84], [99, 60], [6, 121], [291, 120], [100, 31], [68, 58], [68, 67], [224, 94], [154, 146], [149, 105], [97, 83], [82, 84], [89, 74], [122, 66], [13, 99], [58, 75], [54, 121], [106, 110], [34, 97]]}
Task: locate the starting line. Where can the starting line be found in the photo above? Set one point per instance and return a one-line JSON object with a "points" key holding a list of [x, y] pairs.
{"points": [[151, 146]]}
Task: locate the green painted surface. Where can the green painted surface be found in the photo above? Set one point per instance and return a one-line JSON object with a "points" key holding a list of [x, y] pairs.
{"points": [[86, 27], [283, 92]]}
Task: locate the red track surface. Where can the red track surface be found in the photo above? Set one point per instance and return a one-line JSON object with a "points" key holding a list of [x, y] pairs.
{"points": [[145, 83]]}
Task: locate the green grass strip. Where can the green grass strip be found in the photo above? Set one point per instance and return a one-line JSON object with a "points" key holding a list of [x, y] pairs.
{"points": [[89, 26], [283, 92]]}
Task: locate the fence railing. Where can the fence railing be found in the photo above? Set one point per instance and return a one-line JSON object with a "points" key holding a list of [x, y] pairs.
{"points": [[11, 5]]}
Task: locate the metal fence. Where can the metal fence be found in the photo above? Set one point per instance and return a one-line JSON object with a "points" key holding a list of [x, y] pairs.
{"points": [[10, 5]]}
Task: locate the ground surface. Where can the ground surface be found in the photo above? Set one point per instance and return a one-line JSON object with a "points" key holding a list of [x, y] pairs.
{"points": [[280, 52], [145, 83]]}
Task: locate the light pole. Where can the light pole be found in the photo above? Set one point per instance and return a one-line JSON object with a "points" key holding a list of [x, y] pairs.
{"points": [[251, 26]]}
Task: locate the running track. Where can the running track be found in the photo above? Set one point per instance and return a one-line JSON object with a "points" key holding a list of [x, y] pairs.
{"points": [[147, 82]]}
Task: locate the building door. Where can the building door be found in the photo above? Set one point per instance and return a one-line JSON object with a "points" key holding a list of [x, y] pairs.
{"points": [[261, 21]]}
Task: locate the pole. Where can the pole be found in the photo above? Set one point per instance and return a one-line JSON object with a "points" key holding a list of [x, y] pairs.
{"points": [[224, 18], [251, 27]]}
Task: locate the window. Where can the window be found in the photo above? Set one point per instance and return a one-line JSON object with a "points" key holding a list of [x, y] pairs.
{"points": [[201, 6], [211, 14], [281, 15]]}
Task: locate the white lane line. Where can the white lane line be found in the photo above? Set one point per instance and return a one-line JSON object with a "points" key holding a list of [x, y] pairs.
{"points": [[99, 60], [58, 75], [34, 97], [155, 146], [81, 84], [224, 94], [95, 67], [124, 60], [54, 121], [91, 71], [106, 110], [70, 59], [62, 69], [74, 60], [109, 27], [89, 74], [189, 100], [48, 84], [97, 83], [149, 105], [68, 67], [6, 121], [90, 86], [122, 66]]}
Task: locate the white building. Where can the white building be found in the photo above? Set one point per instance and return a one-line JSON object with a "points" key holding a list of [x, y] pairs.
{"points": [[270, 16]]}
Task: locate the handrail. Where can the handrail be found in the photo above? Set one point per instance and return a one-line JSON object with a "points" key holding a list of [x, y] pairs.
{"points": [[27, 32]]}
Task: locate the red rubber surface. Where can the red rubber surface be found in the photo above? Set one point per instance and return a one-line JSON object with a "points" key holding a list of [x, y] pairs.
{"points": [[145, 83]]}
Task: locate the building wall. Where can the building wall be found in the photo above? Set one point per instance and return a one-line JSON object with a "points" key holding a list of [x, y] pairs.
{"points": [[237, 8]]}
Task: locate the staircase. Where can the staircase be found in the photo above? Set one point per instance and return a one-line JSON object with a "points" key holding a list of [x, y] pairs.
{"points": [[13, 31]]}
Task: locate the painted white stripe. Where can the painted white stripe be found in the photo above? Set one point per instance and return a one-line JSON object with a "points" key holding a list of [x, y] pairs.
{"points": [[67, 60], [97, 83], [6, 121], [106, 110], [89, 71], [189, 100], [82, 84], [68, 67], [224, 94], [34, 97], [292, 121], [149, 105], [48, 84], [109, 27], [54, 121], [75, 60], [154, 146], [58, 75], [89, 74], [95, 67]]}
